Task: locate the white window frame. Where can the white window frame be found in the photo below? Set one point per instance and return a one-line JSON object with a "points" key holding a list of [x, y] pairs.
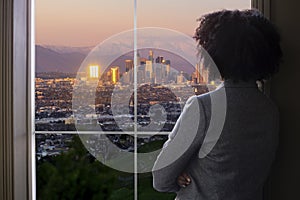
{"points": [[22, 153]]}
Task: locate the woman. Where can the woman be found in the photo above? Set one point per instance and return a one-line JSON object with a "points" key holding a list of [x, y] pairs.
{"points": [[233, 166]]}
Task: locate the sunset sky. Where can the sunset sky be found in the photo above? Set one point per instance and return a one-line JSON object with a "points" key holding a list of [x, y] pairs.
{"points": [[88, 22]]}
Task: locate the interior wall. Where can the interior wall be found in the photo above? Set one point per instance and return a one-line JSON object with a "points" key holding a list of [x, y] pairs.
{"points": [[284, 91], [6, 96]]}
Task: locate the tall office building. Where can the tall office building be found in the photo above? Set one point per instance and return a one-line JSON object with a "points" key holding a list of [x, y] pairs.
{"points": [[205, 76], [159, 59], [138, 58], [180, 78], [126, 78], [141, 74], [151, 57], [148, 71], [200, 74], [115, 74], [194, 77], [93, 72], [168, 67], [158, 73], [128, 65]]}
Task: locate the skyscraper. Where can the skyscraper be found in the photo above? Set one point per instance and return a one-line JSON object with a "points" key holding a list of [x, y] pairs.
{"points": [[180, 78], [128, 65], [138, 58], [151, 58], [158, 73], [115, 74], [159, 59], [126, 78], [148, 71], [93, 72], [198, 74]]}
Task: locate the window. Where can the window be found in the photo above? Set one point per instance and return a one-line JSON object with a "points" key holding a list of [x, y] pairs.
{"points": [[22, 173], [94, 112]]}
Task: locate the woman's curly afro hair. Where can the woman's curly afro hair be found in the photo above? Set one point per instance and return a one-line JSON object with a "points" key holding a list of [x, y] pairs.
{"points": [[243, 44]]}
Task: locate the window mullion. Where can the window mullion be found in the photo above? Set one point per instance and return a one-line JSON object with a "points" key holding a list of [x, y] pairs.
{"points": [[135, 100]]}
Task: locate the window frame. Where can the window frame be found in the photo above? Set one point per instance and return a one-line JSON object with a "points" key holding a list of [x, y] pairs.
{"points": [[15, 145], [263, 6], [22, 152]]}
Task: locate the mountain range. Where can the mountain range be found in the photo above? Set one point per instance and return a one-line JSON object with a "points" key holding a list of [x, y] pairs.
{"points": [[53, 60], [68, 59]]}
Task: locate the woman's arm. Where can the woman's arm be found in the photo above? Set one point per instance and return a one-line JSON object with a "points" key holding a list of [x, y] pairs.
{"points": [[183, 144]]}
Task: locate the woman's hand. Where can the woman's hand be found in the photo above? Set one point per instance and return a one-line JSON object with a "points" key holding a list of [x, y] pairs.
{"points": [[183, 180]]}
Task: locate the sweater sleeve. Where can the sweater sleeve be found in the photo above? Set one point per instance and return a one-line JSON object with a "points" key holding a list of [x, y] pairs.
{"points": [[182, 146]]}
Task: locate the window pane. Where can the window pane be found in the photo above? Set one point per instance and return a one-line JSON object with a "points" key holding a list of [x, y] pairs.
{"points": [[169, 72], [67, 170], [66, 31], [70, 166]]}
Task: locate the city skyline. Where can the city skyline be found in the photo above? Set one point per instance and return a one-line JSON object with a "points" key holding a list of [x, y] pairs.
{"points": [[152, 69]]}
